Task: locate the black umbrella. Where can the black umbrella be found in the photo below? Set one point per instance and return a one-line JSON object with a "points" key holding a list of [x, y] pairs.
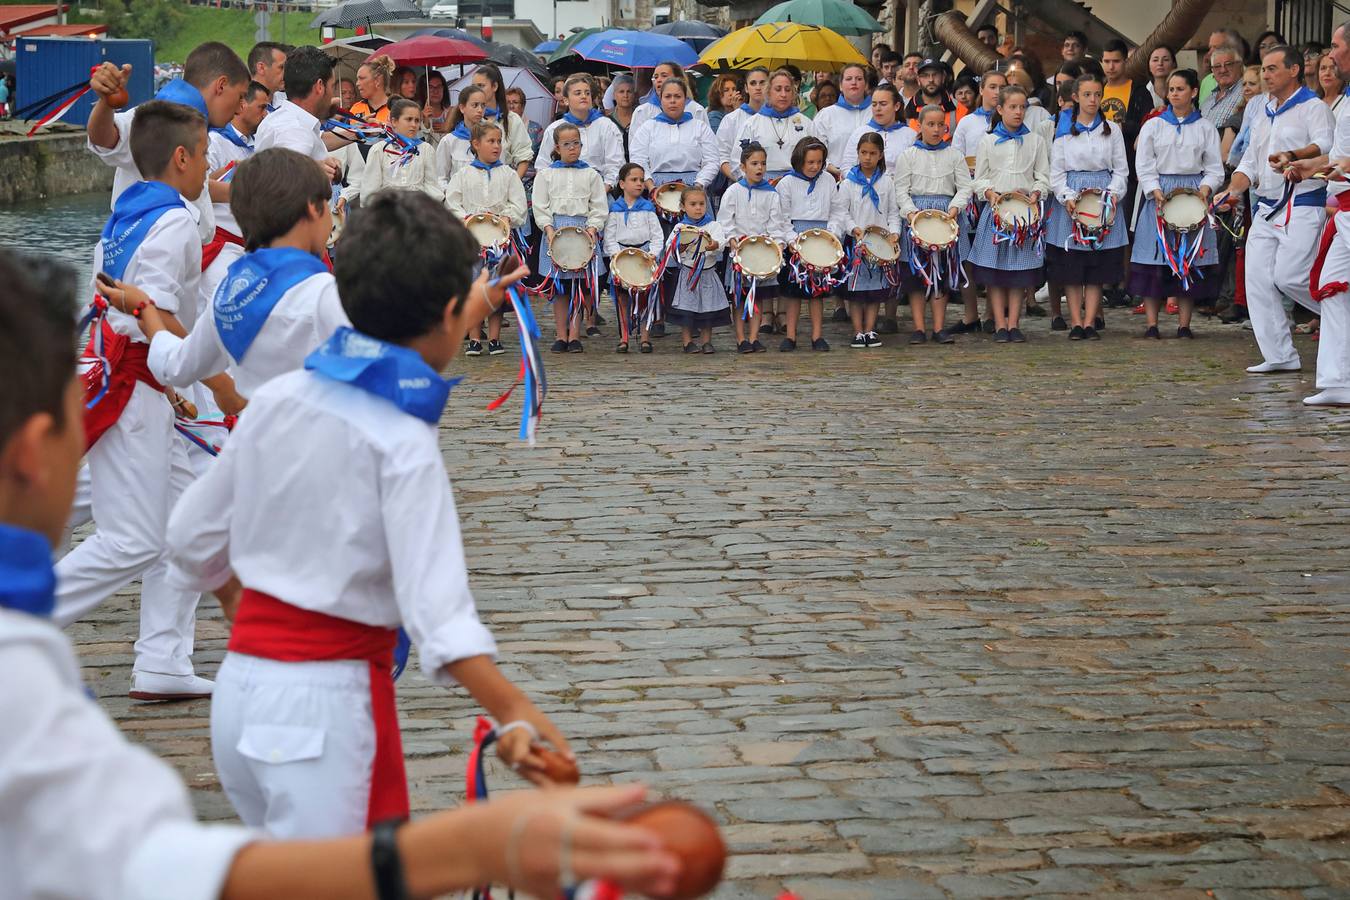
{"points": [[516, 57], [354, 13], [689, 28], [457, 34]]}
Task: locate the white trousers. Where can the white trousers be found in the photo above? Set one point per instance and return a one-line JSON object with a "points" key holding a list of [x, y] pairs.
{"points": [[137, 471], [214, 274], [294, 744], [1278, 264], [1333, 344]]}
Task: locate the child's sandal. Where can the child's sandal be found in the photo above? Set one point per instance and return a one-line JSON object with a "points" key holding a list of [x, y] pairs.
{"points": [[645, 347], [622, 348]]}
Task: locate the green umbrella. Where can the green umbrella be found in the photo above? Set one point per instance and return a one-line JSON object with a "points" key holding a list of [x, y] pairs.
{"points": [[565, 48], [840, 17]]}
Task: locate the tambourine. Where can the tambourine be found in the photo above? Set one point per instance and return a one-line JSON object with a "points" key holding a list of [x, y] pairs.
{"points": [[1016, 209], [666, 199], [758, 256], [491, 231], [691, 241], [877, 247], [571, 249], [633, 268], [1184, 210], [1093, 212], [339, 222], [934, 230], [819, 250]]}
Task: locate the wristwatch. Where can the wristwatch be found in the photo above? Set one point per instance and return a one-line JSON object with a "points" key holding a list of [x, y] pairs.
{"points": [[385, 863]]}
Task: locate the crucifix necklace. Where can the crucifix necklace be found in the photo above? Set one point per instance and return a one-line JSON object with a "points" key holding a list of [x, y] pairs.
{"points": [[782, 136]]}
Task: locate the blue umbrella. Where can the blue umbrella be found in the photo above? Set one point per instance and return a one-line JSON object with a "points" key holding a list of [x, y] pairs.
{"points": [[634, 49], [546, 47]]}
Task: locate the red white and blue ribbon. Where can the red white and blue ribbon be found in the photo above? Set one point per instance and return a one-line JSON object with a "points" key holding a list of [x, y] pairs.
{"points": [[52, 107], [1183, 257], [531, 373], [101, 368], [1092, 236]]}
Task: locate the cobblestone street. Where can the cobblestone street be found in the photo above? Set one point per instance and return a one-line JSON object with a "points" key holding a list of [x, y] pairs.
{"points": [[969, 621]]}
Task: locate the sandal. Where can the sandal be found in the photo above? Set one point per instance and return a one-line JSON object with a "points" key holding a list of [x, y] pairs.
{"points": [[622, 348], [1309, 327], [645, 347]]}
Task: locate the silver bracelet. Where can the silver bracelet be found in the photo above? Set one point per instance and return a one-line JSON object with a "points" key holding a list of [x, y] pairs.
{"points": [[567, 879], [504, 730], [513, 871]]}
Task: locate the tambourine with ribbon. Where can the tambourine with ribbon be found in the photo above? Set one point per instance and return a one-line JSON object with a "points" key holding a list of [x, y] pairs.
{"points": [[572, 252], [814, 264], [1094, 213], [755, 258], [634, 271], [1017, 219], [1181, 221], [935, 249]]}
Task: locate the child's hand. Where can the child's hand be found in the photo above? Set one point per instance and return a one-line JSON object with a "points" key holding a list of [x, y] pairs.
{"points": [[1158, 198], [517, 746], [493, 295], [548, 233], [1071, 206], [108, 79], [857, 234]]}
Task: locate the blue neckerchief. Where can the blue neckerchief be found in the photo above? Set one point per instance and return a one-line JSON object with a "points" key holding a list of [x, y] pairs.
{"points": [[559, 164], [641, 204], [853, 107], [231, 134], [179, 91], [767, 110], [981, 111], [872, 124], [491, 112], [1302, 95], [479, 164], [1064, 124], [461, 131], [136, 210], [750, 110], [395, 373], [654, 100], [252, 287], [27, 579], [761, 185], [707, 217], [868, 185], [595, 114], [942, 145], [1170, 117], [811, 181], [662, 117], [1005, 135]]}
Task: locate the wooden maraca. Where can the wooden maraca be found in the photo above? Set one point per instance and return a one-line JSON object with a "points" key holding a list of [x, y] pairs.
{"points": [[559, 769], [690, 834]]}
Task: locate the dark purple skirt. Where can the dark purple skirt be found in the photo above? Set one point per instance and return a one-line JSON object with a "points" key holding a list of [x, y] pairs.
{"points": [[1085, 266], [1159, 282], [1009, 278], [881, 295], [696, 320]]}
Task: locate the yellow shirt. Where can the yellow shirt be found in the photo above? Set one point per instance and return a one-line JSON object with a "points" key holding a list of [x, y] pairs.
{"points": [[1115, 100]]}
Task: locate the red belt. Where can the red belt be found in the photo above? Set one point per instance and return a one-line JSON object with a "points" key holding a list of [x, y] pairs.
{"points": [[126, 366], [273, 629], [1319, 291], [212, 249]]}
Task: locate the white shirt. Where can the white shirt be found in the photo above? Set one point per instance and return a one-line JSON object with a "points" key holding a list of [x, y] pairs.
{"points": [[646, 110], [87, 814], [601, 147], [896, 140], [517, 147], [1160, 150], [167, 266], [1340, 145], [777, 136], [293, 128], [1089, 153], [220, 152], [353, 168], [1036, 114], [687, 147], [472, 191], [570, 192], [385, 171], [933, 173], [636, 228], [1308, 123], [304, 317], [799, 205], [126, 174], [746, 213], [452, 154], [834, 125], [1012, 166], [728, 135], [336, 501], [969, 132], [850, 209]]}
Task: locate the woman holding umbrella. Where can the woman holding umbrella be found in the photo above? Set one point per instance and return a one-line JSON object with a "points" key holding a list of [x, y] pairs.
{"points": [[653, 104], [517, 151], [436, 111]]}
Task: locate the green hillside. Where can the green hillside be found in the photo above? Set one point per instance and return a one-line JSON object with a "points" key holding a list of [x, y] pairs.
{"points": [[233, 26]]}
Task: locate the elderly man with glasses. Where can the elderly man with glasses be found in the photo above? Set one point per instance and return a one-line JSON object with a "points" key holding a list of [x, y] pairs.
{"points": [[1225, 64]]}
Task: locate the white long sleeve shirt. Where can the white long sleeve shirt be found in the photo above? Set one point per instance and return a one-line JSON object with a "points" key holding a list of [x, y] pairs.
{"points": [[777, 136], [570, 192], [1307, 123], [1012, 165], [969, 132], [304, 317], [220, 152], [334, 500], [383, 170], [353, 168], [633, 229], [126, 174], [746, 213], [517, 147], [291, 127], [601, 147], [686, 147], [851, 209], [896, 139], [1084, 152], [1340, 144], [452, 154], [835, 125], [647, 109], [1162, 150], [473, 190], [167, 266], [921, 172], [802, 203]]}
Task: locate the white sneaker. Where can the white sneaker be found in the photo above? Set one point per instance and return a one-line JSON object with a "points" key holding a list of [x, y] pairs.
{"points": [[1266, 368], [154, 686], [1329, 397]]}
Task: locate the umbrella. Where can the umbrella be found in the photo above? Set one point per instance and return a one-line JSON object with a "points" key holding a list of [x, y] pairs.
{"points": [[545, 47], [516, 58], [696, 34], [426, 50], [363, 12], [565, 48], [808, 47], [457, 34], [538, 98], [350, 53], [839, 17], [634, 49]]}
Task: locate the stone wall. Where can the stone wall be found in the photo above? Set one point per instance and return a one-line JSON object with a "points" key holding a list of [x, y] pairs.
{"points": [[49, 166]]}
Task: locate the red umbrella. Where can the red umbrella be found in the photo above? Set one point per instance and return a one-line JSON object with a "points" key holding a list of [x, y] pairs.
{"points": [[428, 50]]}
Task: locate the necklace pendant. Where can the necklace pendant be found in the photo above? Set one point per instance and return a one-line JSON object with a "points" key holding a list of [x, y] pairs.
{"points": [[780, 143]]}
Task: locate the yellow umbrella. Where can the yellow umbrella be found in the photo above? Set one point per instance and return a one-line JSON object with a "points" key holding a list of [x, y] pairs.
{"points": [[808, 47]]}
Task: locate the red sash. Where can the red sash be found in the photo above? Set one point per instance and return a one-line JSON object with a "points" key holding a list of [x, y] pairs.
{"points": [[273, 629], [1320, 291], [126, 366], [212, 249]]}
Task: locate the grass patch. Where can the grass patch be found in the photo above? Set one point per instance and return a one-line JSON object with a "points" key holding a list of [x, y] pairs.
{"points": [[235, 27]]}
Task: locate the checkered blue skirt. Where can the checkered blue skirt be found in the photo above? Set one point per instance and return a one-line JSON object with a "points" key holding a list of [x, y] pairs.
{"points": [[1059, 227], [1146, 251]]}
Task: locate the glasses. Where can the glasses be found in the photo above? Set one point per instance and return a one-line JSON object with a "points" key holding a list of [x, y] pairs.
{"points": [[568, 145], [1224, 66]]}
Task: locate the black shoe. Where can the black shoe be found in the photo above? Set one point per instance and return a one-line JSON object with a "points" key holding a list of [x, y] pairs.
{"points": [[559, 347], [576, 347], [645, 347], [1016, 336], [1058, 324], [1076, 333], [599, 319], [1185, 333], [988, 326], [787, 346], [1234, 316], [1002, 336], [592, 331], [708, 348], [495, 348], [1152, 332], [889, 326], [872, 340], [840, 314], [1036, 311], [1090, 334], [918, 337], [1099, 323], [744, 347], [820, 345], [475, 349], [757, 346], [622, 347], [658, 330], [691, 347]]}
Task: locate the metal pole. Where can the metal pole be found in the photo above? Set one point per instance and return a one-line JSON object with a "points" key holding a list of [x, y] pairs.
{"points": [[555, 20]]}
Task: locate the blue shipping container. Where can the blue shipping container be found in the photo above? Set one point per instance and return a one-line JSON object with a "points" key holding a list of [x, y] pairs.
{"points": [[48, 66]]}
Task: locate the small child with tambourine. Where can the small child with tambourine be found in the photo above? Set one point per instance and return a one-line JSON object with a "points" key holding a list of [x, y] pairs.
{"points": [[699, 301], [865, 199], [751, 207], [806, 201], [633, 222]]}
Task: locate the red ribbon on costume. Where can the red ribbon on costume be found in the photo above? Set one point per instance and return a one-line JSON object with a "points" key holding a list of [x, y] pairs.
{"points": [[273, 629], [217, 243], [1320, 291], [123, 363]]}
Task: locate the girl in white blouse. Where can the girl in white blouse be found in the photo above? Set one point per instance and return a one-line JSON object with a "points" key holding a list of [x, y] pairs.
{"points": [[632, 222], [698, 302], [932, 174], [1087, 153], [1010, 158], [750, 207], [397, 165], [674, 145], [866, 198], [487, 186], [569, 193], [1179, 149], [517, 148], [969, 132], [806, 191], [454, 151]]}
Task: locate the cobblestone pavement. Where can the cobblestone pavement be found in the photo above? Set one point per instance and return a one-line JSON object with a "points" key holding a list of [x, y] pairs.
{"points": [[994, 621]]}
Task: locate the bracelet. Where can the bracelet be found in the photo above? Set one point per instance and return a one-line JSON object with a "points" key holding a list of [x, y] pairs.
{"points": [[504, 730], [385, 863]]}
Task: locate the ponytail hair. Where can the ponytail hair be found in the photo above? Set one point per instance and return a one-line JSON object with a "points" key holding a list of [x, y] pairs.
{"points": [[1087, 78]]}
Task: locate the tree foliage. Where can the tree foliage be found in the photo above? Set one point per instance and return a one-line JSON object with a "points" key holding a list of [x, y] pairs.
{"points": [[158, 20]]}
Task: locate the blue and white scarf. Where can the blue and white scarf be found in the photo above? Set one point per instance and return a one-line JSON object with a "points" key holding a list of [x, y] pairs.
{"points": [[252, 287], [386, 370]]}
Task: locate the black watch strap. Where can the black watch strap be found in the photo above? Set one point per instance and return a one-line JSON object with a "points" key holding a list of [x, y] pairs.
{"points": [[385, 862]]}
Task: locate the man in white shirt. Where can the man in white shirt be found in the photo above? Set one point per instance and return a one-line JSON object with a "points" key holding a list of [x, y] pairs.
{"points": [[267, 66], [231, 144], [1287, 217], [297, 123]]}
